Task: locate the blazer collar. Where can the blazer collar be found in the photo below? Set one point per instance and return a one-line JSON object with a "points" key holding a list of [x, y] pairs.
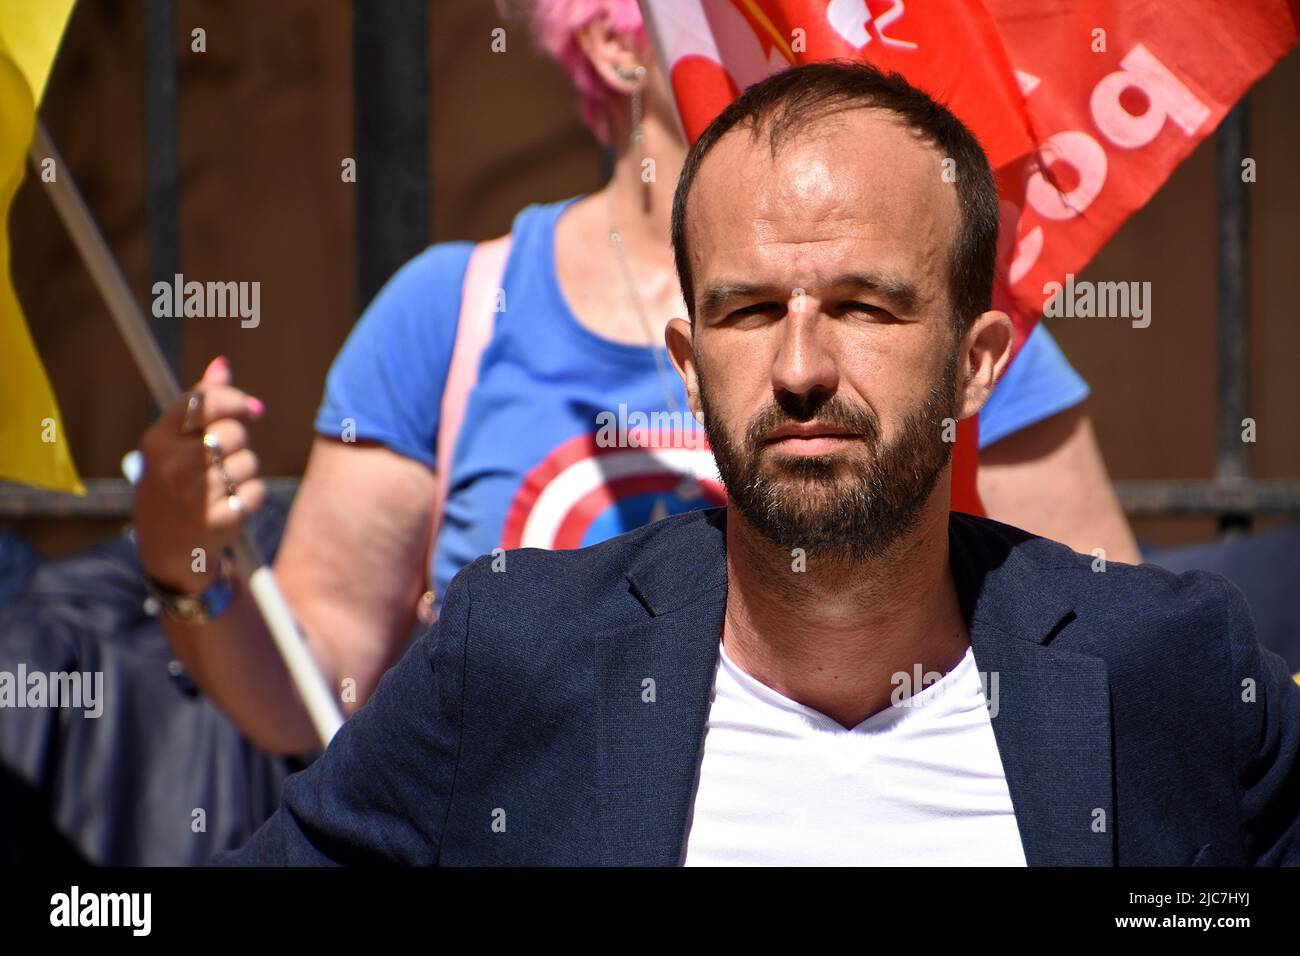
{"points": [[1050, 708]]}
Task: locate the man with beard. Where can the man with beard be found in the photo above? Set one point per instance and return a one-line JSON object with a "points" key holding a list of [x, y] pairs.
{"points": [[835, 668]]}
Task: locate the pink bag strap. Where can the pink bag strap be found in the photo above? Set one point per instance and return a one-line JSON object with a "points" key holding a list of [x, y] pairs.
{"points": [[478, 300]]}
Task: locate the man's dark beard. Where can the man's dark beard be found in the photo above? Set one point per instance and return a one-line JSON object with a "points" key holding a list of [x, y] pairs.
{"points": [[841, 507]]}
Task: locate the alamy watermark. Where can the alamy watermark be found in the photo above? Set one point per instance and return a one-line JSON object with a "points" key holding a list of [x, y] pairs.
{"points": [[908, 685], [657, 429], [82, 690], [75, 908], [208, 300], [1102, 300]]}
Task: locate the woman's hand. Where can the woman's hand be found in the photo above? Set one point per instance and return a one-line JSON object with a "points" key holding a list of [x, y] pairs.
{"points": [[185, 514]]}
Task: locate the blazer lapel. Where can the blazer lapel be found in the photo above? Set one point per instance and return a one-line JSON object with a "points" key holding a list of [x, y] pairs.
{"points": [[1053, 731], [1050, 707], [654, 680]]}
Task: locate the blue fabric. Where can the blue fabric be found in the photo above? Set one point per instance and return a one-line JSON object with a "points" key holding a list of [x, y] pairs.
{"points": [[17, 560], [119, 789], [544, 378], [1265, 567], [516, 731], [386, 382], [1040, 383]]}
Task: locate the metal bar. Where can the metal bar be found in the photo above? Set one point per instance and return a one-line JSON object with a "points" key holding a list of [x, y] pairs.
{"points": [[162, 135], [390, 63], [1234, 304], [104, 498], [1207, 499], [111, 498]]}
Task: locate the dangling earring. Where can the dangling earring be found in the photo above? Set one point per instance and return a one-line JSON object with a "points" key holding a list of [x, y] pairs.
{"points": [[636, 76]]}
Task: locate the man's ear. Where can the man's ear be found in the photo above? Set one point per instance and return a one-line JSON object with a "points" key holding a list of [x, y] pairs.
{"points": [[679, 337], [985, 351]]}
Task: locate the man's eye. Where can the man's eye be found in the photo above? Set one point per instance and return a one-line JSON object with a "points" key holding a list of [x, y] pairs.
{"points": [[758, 308], [865, 308]]}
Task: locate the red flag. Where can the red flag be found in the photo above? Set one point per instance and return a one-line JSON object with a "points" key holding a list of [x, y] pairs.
{"points": [[1084, 108], [1118, 94]]}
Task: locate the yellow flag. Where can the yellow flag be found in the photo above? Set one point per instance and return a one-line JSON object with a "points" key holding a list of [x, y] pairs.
{"points": [[33, 446]]}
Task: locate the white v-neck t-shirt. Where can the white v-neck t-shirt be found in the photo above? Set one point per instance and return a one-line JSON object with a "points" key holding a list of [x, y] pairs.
{"points": [[920, 783]]}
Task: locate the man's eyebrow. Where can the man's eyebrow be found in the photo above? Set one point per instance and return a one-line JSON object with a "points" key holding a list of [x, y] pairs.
{"points": [[718, 294], [900, 293]]}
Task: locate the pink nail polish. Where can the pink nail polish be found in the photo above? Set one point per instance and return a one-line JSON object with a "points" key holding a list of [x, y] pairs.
{"points": [[256, 407]]}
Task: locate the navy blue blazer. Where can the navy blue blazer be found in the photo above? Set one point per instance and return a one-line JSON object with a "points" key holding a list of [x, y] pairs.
{"points": [[1139, 721]]}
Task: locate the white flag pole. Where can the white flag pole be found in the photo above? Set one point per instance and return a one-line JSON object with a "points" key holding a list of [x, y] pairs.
{"points": [[321, 707]]}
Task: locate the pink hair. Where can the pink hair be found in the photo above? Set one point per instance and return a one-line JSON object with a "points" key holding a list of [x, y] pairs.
{"points": [[555, 24]]}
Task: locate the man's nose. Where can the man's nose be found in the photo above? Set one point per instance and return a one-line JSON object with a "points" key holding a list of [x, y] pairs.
{"points": [[805, 363]]}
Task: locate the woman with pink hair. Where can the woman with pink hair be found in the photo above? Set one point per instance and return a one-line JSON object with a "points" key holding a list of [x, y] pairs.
{"points": [[575, 361]]}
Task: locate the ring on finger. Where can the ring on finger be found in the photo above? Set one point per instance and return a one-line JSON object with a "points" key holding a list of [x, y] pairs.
{"points": [[226, 478], [218, 462], [193, 403], [213, 446]]}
